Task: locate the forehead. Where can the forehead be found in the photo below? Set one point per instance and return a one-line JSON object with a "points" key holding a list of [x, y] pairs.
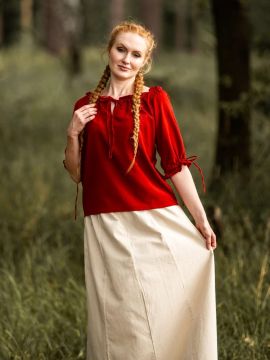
{"points": [[131, 41]]}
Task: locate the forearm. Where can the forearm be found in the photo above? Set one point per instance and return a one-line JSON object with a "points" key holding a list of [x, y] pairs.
{"points": [[186, 189], [72, 157]]}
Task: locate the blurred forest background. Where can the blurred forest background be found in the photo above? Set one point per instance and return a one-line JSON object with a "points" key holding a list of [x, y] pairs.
{"points": [[213, 58]]}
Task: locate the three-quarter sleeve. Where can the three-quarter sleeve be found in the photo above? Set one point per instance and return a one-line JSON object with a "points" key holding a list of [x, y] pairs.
{"points": [[169, 141], [168, 137]]}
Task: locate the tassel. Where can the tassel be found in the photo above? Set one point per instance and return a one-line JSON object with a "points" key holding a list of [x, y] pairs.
{"points": [[76, 201], [192, 160]]}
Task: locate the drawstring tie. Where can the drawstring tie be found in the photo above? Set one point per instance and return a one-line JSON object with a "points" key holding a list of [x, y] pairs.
{"points": [[76, 202], [110, 130], [192, 160], [77, 193]]}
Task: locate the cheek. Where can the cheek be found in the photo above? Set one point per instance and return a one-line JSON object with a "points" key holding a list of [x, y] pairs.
{"points": [[138, 62], [114, 54]]}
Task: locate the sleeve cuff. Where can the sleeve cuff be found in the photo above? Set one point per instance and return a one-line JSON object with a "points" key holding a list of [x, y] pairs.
{"points": [[178, 167]]}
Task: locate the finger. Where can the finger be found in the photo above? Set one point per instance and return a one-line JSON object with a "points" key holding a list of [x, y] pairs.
{"points": [[89, 112], [85, 107], [208, 241], [79, 111], [213, 241], [89, 118]]}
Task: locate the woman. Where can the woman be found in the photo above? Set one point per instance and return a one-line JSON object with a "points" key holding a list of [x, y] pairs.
{"points": [[149, 271]]}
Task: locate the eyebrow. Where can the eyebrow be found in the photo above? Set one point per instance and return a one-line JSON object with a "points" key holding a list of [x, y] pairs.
{"points": [[121, 44]]}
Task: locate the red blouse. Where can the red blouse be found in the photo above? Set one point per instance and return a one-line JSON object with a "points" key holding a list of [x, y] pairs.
{"points": [[108, 151]]}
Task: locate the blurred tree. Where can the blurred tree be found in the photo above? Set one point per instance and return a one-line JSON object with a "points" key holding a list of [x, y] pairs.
{"points": [[62, 30], [1, 22], [180, 24], [180, 28], [38, 22], [9, 21], [173, 18], [53, 29], [151, 12], [259, 14], [117, 12], [233, 61], [72, 29], [192, 25], [26, 14], [95, 21]]}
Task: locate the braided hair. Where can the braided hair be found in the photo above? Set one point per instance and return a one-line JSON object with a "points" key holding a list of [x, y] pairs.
{"points": [[128, 26]]}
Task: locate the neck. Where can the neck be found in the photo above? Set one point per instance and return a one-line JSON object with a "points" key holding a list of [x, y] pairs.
{"points": [[117, 88]]}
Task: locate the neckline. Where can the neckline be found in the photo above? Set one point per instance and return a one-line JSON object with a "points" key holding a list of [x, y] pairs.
{"points": [[124, 96]]}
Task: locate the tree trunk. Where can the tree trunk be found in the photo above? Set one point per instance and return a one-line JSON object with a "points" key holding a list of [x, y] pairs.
{"points": [[26, 14], [151, 14], [117, 12], [37, 20], [180, 26], [186, 27], [10, 21], [1, 25], [191, 25], [72, 29], [54, 36], [233, 60]]}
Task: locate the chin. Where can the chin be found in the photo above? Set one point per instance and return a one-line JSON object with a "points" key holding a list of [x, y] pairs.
{"points": [[123, 75]]}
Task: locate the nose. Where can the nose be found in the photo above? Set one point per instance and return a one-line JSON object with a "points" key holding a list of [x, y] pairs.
{"points": [[126, 58]]}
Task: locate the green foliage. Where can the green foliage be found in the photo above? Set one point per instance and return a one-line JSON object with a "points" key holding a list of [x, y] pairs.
{"points": [[261, 84], [10, 21], [259, 17], [42, 313]]}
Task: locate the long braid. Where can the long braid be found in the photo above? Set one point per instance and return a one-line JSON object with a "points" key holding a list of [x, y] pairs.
{"points": [[92, 99], [125, 26], [101, 85], [94, 96], [136, 105]]}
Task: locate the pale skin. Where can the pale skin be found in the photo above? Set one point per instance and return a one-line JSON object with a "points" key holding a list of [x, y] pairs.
{"points": [[126, 57]]}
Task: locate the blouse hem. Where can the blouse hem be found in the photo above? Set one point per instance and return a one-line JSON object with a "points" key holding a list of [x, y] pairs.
{"points": [[131, 210]]}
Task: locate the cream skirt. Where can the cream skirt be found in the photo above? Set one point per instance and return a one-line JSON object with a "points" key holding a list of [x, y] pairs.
{"points": [[150, 284]]}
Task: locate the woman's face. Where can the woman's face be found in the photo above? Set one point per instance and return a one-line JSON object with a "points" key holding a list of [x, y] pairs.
{"points": [[127, 55]]}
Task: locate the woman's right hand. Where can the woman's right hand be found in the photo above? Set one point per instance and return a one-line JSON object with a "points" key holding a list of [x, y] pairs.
{"points": [[80, 118]]}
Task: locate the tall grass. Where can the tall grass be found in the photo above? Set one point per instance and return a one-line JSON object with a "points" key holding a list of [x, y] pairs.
{"points": [[42, 293]]}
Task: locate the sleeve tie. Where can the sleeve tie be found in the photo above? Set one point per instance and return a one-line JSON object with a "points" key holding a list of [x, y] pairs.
{"points": [[192, 160]]}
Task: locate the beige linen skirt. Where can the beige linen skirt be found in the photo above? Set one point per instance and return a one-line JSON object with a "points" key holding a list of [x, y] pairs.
{"points": [[150, 284]]}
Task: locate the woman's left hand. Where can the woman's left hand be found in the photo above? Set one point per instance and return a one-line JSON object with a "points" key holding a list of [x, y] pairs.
{"points": [[209, 235]]}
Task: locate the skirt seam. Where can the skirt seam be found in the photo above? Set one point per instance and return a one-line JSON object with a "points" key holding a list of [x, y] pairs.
{"points": [[143, 298], [175, 262], [104, 298], [105, 317]]}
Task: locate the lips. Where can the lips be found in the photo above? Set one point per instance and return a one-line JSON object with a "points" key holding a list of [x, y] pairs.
{"points": [[123, 68]]}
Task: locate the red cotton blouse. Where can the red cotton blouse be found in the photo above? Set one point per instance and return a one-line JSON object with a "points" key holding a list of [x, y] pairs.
{"points": [[108, 150]]}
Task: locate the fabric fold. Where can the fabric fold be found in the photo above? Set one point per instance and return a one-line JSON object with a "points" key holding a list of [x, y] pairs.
{"points": [[150, 284]]}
